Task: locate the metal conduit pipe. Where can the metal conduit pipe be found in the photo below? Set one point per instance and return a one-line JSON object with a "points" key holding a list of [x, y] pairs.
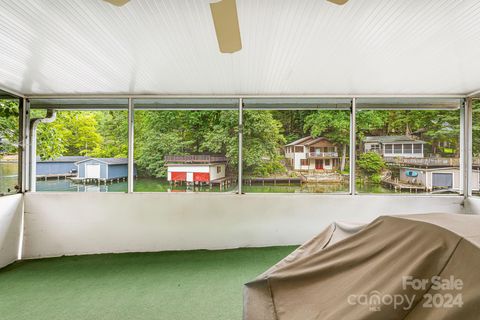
{"points": [[51, 116]]}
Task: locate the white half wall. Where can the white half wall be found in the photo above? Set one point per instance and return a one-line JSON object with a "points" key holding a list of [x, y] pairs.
{"points": [[11, 209], [472, 205], [85, 223]]}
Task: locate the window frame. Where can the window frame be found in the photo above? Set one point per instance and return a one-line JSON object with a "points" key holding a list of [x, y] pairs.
{"points": [[356, 103], [20, 184], [427, 104]]}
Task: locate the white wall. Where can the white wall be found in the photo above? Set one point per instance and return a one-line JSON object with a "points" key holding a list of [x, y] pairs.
{"points": [[79, 223], [217, 175], [11, 208], [472, 205]]}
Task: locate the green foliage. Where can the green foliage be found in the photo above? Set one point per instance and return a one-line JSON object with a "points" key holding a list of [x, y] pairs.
{"points": [[72, 133], [292, 123], [90, 133], [370, 163], [261, 144], [113, 130], [333, 125], [50, 143], [376, 178], [8, 125], [372, 123]]}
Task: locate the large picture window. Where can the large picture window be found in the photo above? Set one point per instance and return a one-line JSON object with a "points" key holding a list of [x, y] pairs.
{"points": [[9, 140], [296, 146], [82, 149], [419, 149], [186, 145]]}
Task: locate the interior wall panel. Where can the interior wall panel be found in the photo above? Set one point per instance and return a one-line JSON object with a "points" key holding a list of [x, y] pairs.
{"points": [[87, 223], [11, 209]]}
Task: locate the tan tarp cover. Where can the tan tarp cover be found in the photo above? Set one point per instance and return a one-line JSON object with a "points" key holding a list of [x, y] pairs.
{"points": [[376, 272]]}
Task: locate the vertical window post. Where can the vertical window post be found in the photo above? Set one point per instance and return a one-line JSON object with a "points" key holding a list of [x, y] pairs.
{"points": [[466, 147], [24, 144], [131, 164], [49, 118], [240, 144], [353, 128]]}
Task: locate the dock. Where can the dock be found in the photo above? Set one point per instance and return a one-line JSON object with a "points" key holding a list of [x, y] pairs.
{"points": [[222, 183], [400, 186], [56, 176], [96, 180], [274, 180]]}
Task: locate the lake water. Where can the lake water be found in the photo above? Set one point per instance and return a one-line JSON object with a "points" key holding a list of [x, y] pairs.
{"points": [[8, 180], [8, 177], [158, 185]]}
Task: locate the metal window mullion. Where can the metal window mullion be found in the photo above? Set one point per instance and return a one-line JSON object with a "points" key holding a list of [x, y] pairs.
{"points": [[240, 145], [462, 141], [131, 164], [466, 147], [469, 147], [353, 128], [25, 145]]}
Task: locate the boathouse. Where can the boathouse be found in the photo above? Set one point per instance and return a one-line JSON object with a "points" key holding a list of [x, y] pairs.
{"points": [[437, 178], [196, 168], [103, 168], [58, 167]]}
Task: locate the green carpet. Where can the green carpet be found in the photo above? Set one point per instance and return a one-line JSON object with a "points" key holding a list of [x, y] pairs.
{"points": [[167, 285]]}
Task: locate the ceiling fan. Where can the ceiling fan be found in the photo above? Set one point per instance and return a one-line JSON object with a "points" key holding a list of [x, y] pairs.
{"points": [[225, 20]]}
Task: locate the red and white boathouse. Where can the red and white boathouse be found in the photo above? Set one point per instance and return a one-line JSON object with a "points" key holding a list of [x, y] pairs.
{"points": [[195, 168]]}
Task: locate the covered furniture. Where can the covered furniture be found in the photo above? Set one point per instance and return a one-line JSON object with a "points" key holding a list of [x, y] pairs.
{"points": [[397, 267]]}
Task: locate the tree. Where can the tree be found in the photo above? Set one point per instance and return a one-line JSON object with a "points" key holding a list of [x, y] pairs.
{"points": [[262, 143], [113, 129], [8, 125], [292, 122], [86, 133], [371, 165], [442, 130]]}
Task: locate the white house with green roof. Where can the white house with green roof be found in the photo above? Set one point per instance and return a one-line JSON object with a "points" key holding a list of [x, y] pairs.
{"points": [[394, 146]]}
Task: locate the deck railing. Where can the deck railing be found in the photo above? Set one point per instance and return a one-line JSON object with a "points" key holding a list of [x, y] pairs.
{"points": [[195, 159], [435, 162], [322, 154]]}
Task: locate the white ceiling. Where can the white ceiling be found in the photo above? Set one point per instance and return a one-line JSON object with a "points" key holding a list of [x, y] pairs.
{"points": [[397, 47]]}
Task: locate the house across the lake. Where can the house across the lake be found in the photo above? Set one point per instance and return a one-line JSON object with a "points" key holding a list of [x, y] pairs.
{"points": [[58, 167], [103, 169], [394, 146], [311, 153], [195, 168]]}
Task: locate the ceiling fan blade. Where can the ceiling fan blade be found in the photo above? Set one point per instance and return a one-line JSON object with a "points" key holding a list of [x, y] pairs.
{"points": [[117, 3], [339, 2], [225, 19]]}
